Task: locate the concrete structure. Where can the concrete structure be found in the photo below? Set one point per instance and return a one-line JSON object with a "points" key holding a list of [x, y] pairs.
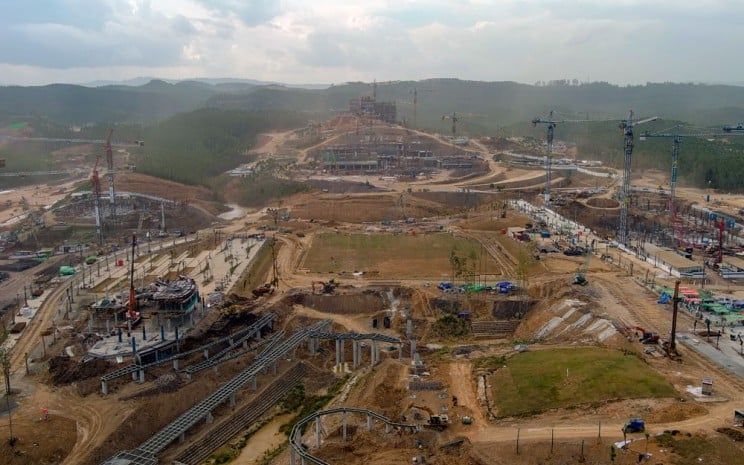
{"points": [[676, 264], [732, 268]]}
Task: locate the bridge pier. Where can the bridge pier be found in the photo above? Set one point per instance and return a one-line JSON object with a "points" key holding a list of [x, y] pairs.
{"points": [[400, 351], [182, 437], [338, 352], [206, 353], [104, 387], [343, 350], [175, 364], [413, 347], [232, 400], [369, 422], [344, 425], [273, 368], [255, 383], [317, 432], [355, 354], [209, 417], [141, 376]]}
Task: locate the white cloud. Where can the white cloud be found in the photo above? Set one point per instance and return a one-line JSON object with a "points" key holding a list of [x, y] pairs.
{"points": [[340, 40]]}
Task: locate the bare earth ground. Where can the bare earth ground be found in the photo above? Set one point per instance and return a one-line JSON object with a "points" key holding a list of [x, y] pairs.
{"points": [[102, 425]]}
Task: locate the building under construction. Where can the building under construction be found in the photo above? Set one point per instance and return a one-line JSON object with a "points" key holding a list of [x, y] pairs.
{"points": [[369, 107], [392, 153]]}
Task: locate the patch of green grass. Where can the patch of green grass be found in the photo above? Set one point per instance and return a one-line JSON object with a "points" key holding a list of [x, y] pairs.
{"points": [[489, 363], [397, 255], [536, 381]]}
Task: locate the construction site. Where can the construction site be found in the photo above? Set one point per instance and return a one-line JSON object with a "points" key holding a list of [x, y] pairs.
{"points": [[431, 299]]}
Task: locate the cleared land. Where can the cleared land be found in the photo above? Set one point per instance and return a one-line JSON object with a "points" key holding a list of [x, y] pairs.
{"points": [[397, 256], [532, 382]]}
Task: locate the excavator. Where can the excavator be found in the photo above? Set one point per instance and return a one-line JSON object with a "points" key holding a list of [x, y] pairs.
{"points": [[580, 277], [644, 337], [438, 422], [324, 287], [263, 289]]}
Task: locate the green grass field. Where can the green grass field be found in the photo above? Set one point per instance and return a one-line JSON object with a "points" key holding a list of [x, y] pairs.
{"points": [[536, 381], [397, 256]]}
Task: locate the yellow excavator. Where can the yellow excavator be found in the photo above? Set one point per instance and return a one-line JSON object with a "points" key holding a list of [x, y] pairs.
{"points": [[439, 422]]}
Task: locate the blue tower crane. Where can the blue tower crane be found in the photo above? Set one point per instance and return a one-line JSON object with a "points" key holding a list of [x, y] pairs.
{"points": [[627, 126], [676, 140]]}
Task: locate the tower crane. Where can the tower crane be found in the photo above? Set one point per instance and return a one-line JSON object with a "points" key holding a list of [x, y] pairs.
{"points": [[627, 126], [110, 162], [97, 201], [415, 93], [454, 119], [676, 140], [550, 124]]}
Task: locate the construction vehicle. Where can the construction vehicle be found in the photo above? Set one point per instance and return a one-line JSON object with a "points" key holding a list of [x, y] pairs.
{"points": [[324, 287], [580, 277], [634, 425], [644, 337], [263, 289], [438, 422]]}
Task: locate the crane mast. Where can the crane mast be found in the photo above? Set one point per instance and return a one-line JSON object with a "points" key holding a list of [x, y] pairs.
{"points": [[676, 141], [628, 142], [549, 156], [97, 202], [110, 174]]}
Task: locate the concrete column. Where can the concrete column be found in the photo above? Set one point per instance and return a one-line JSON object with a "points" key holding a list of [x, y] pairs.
{"points": [[255, 383], [317, 432], [376, 347], [273, 368], [245, 344], [372, 360], [369, 422], [209, 417], [355, 354], [141, 376], [400, 350], [291, 455], [232, 400], [413, 347], [134, 376], [206, 353], [338, 352], [387, 428], [343, 349], [104, 387], [214, 368], [182, 437], [175, 364], [344, 425]]}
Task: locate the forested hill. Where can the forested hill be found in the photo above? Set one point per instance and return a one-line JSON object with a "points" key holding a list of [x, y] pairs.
{"points": [[483, 105]]}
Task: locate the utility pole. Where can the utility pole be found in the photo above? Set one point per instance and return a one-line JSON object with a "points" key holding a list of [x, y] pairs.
{"points": [[675, 305], [5, 361]]}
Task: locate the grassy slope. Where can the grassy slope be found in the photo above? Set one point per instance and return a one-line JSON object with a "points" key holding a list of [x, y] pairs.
{"points": [[546, 379], [394, 256]]}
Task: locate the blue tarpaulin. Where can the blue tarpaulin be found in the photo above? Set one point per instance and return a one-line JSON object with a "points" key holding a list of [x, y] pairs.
{"points": [[664, 299]]}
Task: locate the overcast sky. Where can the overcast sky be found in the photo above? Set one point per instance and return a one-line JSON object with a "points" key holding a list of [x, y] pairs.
{"points": [[335, 41]]}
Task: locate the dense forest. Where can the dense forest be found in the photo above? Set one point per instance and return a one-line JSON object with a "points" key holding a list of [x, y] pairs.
{"points": [[196, 130]]}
